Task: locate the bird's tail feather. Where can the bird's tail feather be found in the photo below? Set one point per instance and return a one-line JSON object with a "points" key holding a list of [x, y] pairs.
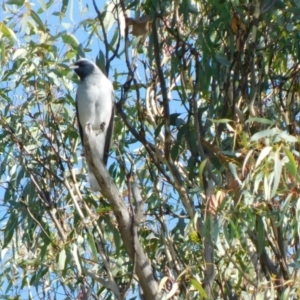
{"points": [[93, 182]]}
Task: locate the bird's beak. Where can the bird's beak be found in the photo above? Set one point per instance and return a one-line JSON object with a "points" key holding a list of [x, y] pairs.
{"points": [[73, 67]]}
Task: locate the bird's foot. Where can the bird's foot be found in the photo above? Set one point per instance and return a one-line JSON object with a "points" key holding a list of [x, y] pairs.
{"points": [[102, 128], [87, 127]]}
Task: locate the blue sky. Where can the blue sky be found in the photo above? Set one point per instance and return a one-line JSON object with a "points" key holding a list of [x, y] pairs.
{"points": [[77, 11]]}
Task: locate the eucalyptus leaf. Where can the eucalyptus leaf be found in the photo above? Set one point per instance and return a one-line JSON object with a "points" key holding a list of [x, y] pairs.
{"points": [[218, 193], [62, 259]]}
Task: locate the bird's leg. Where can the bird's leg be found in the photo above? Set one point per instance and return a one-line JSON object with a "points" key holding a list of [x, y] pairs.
{"points": [[102, 126], [87, 127]]}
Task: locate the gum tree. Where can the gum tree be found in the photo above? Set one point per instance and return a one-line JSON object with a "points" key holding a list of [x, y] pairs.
{"points": [[200, 199]]}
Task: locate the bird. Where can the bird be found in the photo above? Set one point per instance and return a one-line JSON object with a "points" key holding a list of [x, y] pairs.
{"points": [[94, 110]]}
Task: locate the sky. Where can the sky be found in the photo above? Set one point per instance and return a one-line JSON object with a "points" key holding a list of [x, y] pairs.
{"points": [[76, 12]]}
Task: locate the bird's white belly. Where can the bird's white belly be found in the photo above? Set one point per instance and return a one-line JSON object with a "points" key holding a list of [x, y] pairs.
{"points": [[94, 106]]}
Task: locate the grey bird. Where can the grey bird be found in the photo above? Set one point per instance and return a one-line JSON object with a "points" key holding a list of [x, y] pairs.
{"points": [[95, 110]]}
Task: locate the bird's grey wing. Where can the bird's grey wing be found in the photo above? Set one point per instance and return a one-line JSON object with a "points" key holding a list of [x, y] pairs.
{"points": [[109, 133], [79, 125]]}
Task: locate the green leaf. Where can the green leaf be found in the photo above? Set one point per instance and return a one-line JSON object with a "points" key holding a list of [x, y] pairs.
{"points": [[292, 165], [76, 258], [54, 78], [286, 204], [13, 170], [158, 129], [39, 276], [267, 185], [198, 286], [262, 155], [9, 287], [288, 138], [277, 172], [248, 156], [92, 244], [2, 51], [64, 6], [38, 21], [260, 230], [201, 169], [109, 18], [15, 2], [19, 53], [260, 120], [223, 60], [8, 33], [286, 294], [175, 150], [264, 134], [100, 60], [232, 168], [71, 40], [62, 260], [43, 5], [220, 121], [104, 210], [10, 228], [258, 178]]}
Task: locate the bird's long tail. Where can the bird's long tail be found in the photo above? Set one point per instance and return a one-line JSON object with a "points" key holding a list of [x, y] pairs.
{"points": [[93, 182]]}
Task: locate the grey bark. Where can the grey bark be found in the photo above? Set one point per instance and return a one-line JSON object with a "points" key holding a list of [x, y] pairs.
{"points": [[130, 238]]}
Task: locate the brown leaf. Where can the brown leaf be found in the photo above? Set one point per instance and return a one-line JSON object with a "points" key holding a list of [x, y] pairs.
{"points": [[234, 25], [140, 26], [214, 201], [232, 184], [237, 24]]}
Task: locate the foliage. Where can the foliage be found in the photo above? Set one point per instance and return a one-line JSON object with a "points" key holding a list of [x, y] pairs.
{"points": [[207, 100]]}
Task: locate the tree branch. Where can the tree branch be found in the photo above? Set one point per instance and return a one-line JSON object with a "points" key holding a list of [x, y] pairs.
{"points": [[124, 220], [163, 91]]}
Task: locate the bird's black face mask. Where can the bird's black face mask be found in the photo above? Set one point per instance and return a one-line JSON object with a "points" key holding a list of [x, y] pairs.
{"points": [[82, 68]]}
